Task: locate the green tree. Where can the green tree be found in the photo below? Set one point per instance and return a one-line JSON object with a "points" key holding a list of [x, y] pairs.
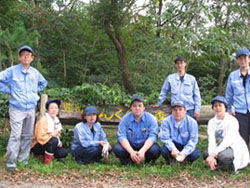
{"points": [[112, 15]]}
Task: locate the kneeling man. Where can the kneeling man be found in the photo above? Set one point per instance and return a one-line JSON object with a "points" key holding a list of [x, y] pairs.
{"points": [[137, 135], [179, 134]]}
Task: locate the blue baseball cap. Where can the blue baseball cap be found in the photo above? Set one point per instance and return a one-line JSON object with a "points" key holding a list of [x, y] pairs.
{"points": [[220, 99], [90, 110], [25, 48], [242, 51], [177, 103], [58, 102], [136, 98]]}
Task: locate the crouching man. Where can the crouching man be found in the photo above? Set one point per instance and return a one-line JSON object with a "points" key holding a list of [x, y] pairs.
{"points": [[179, 134], [137, 135]]}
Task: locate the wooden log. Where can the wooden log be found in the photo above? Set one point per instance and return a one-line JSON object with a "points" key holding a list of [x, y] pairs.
{"points": [[71, 114]]}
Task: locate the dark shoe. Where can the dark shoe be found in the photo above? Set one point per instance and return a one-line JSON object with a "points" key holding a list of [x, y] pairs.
{"points": [[11, 169]]}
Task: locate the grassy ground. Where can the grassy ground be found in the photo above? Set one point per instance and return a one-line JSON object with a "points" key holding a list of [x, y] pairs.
{"points": [[197, 170]]}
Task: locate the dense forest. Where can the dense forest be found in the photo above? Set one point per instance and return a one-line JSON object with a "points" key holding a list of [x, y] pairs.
{"points": [[114, 48]]}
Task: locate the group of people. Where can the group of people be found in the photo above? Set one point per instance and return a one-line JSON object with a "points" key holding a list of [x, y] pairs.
{"points": [[138, 130]]}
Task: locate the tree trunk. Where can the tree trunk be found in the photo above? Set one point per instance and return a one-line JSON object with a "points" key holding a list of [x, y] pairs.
{"points": [[158, 33], [121, 51], [64, 67], [221, 77]]}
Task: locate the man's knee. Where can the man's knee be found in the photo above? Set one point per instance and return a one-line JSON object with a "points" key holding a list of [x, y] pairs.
{"points": [[119, 150], [165, 152], [154, 151], [194, 155], [226, 156]]}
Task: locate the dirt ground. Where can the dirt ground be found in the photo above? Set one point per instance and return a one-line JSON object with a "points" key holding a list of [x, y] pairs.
{"points": [[36, 180]]}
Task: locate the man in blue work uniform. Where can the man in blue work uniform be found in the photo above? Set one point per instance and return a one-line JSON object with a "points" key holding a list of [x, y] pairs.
{"points": [[22, 82], [183, 87], [137, 135], [238, 93], [179, 134]]}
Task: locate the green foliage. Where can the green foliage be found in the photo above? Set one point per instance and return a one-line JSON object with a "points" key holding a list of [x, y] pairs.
{"points": [[12, 38], [67, 137], [4, 103], [3, 143], [72, 48], [99, 94], [208, 91], [60, 93]]}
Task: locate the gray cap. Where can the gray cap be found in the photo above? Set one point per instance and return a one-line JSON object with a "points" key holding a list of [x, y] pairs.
{"points": [[25, 48], [136, 98], [177, 103]]}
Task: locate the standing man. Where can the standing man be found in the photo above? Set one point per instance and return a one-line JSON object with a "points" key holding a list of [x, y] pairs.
{"points": [[22, 82], [179, 134], [137, 135], [238, 93], [183, 87]]}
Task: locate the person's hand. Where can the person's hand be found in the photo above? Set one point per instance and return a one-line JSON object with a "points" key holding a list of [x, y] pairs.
{"points": [[102, 143], [155, 105], [175, 153], [232, 113], [211, 161], [197, 115], [135, 156], [181, 156], [60, 144], [141, 155]]}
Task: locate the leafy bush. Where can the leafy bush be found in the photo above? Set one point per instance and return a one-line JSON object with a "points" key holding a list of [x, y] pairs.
{"points": [[99, 94], [4, 101], [67, 138], [207, 88], [59, 93]]}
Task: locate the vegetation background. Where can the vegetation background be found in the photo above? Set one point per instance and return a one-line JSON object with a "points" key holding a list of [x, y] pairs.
{"points": [[121, 46], [104, 51]]}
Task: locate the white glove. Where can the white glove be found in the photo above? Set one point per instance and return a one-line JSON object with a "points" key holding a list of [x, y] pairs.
{"points": [[105, 151], [179, 158]]}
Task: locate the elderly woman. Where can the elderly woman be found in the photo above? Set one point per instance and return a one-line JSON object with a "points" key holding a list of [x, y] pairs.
{"points": [[226, 148], [46, 142], [90, 142]]}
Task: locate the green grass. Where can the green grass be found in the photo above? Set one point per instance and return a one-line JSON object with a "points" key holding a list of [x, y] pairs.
{"points": [[197, 169]]}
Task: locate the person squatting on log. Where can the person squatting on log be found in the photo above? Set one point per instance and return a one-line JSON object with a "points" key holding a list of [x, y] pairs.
{"points": [[46, 142], [179, 134], [22, 82], [226, 148], [183, 87], [137, 135], [238, 93], [90, 143]]}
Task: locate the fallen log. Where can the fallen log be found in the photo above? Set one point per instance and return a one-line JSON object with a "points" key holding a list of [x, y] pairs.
{"points": [[113, 114], [70, 112]]}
